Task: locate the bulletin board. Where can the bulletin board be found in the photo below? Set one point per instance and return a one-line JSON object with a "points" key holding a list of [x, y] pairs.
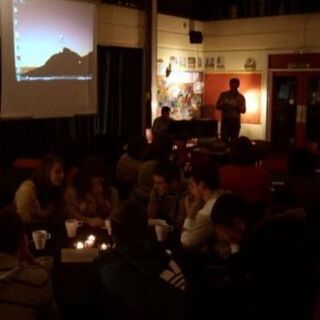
{"points": [[250, 87]]}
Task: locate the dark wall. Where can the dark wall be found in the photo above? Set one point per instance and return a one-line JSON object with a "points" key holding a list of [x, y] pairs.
{"points": [[118, 116]]}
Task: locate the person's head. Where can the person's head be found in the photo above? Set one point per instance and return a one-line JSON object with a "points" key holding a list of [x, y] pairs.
{"points": [[136, 146], [229, 217], [160, 149], [92, 177], [242, 152], [50, 173], [166, 177], [12, 233], [165, 112], [234, 84], [204, 180], [129, 222]]}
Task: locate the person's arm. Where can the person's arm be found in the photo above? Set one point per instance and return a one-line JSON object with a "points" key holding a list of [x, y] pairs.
{"points": [[153, 206], [196, 232], [156, 126], [197, 227], [220, 102], [27, 204], [106, 205], [75, 210], [114, 199], [241, 103], [192, 206]]}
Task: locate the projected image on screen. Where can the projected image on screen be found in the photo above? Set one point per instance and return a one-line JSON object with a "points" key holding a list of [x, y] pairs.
{"points": [[50, 45]]}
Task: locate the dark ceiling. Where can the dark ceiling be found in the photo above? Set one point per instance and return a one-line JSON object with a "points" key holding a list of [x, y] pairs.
{"points": [[221, 9]]}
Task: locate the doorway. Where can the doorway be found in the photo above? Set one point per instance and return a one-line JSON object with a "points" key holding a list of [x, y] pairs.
{"points": [[295, 108]]}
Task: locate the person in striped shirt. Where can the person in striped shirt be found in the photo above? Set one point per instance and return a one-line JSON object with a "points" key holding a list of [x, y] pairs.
{"points": [[138, 278]]}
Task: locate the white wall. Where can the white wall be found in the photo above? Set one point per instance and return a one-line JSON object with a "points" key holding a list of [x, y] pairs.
{"points": [[173, 37], [238, 39], [120, 26]]}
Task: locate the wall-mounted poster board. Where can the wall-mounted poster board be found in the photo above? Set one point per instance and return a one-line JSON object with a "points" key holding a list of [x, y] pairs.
{"points": [[250, 87]]}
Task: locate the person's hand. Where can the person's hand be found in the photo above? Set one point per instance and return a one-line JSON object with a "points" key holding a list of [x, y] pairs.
{"points": [[88, 206], [23, 254], [192, 205], [95, 222]]}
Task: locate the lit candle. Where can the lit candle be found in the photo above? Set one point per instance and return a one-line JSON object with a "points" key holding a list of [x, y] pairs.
{"points": [[79, 245], [104, 246], [90, 241], [91, 238]]}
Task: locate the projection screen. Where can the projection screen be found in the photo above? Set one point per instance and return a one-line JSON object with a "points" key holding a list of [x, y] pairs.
{"points": [[48, 58]]}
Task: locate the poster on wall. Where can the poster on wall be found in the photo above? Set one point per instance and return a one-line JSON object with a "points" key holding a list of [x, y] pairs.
{"points": [[250, 87], [182, 92]]}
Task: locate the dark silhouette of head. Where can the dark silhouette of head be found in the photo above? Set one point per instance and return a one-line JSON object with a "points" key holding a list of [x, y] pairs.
{"points": [[165, 112], [129, 222], [242, 152], [208, 176], [234, 84], [160, 149]]}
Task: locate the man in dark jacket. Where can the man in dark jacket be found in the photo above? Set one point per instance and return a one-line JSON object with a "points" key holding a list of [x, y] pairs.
{"points": [[231, 103], [137, 279]]}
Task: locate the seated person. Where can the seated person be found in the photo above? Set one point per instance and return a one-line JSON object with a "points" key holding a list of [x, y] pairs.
{"points": [[40, 199], [220, 284], [229, 218], [25, 287], [159, 150], [161, 124], [197, 228], [276, 255], [167, 196], [137, 279], [91, 198], [130, 162]]}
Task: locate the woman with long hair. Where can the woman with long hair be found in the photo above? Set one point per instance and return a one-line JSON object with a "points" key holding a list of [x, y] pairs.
{"points": [[91, 198], [39, 199]]}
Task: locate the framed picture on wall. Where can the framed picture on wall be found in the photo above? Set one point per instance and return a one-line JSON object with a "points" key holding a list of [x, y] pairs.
{"points": [[191, 62], [220, 62], [199, 62], [182, 62]]}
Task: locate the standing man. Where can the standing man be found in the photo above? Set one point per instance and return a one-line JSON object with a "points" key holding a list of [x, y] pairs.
{"points": [[231, 103]]}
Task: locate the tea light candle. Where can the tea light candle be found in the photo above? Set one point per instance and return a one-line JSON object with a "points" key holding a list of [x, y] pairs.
{"points": [[104, 246], [90, 241], [79, 245], [91, 238]]}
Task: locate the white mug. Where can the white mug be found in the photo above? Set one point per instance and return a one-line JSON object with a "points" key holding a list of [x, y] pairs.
{"points": [[72, 227], [40, 238], [162, 231], [161, 228]]}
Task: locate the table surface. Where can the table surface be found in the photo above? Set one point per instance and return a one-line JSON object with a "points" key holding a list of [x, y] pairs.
{"points": [[72, 282]]}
